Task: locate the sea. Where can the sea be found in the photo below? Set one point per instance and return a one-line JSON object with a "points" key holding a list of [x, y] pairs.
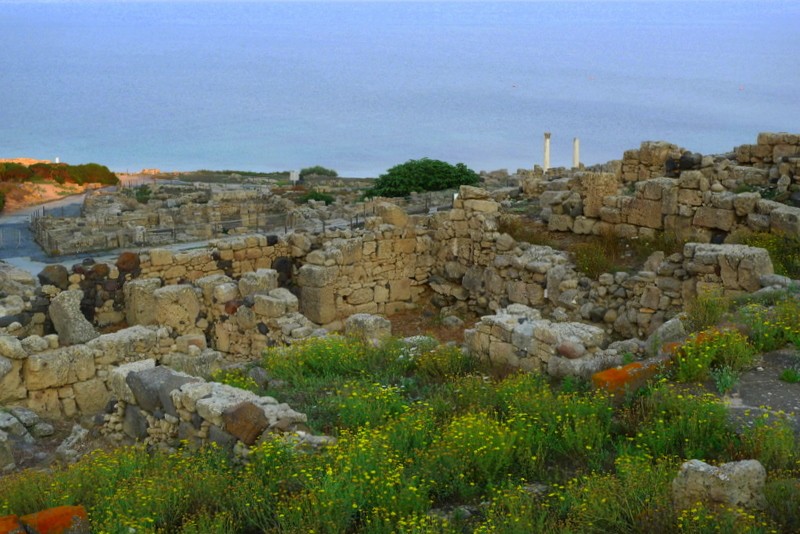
{"points": [[362, 86]]}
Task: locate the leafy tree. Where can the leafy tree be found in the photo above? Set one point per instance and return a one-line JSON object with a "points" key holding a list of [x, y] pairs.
{"points": [[317, 170], [422, 175], [143, 193]]}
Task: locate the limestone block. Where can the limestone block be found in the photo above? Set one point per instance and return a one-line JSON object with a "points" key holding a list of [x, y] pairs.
{"points": [[268, 306], [732, 484], [12, 387], [644, 212], [222, 398], [611, 215], [400, 290], [595, 187], [116, 379], [68, 320], [261, 280], [140, 302], [91, 396], [583, 225], [177, 307], [11, 347], [45, 402], [124, 344], [721, 219], [391, 214], [481, 206], [316, 276], [751, 175], [560, 222], [745, 203], [160, 257], [318, 304], [59, 367], [287, 297], [201, 365], [785, 220]]}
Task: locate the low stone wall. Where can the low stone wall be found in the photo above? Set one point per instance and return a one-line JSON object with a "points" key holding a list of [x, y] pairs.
{"points": [[156, 405], [517, 337], [59, 381]]}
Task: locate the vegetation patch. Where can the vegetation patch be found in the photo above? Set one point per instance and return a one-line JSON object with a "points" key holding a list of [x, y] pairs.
{"points": [[423, 428], [422, 175]]}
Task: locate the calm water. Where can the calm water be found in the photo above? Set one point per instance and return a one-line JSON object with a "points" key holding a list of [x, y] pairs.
{"points": [[362, 86]]}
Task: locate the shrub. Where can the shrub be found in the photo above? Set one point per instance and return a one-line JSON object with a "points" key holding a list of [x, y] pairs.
{"points": [[142, 194], [14, 172], [522, 230], [771, 441], [317, 170], [705, 311], [236, 378], [2, 200], [318, 196], [422, 175], [790, 375], [713, 349], [360, 403]]}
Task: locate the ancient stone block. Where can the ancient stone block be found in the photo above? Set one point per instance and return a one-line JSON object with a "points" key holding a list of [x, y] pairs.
{"points": [[56, 368], [91, 396], [178, 307], [318, 304], [372, 328], [116, 379], [68, 320], [140, 302], [645, 213], [732, 484], [262, 280], [246, 422], [714, 218], [316, 275]]}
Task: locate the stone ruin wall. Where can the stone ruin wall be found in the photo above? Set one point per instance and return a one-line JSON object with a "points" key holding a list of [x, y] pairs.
{"points": [[692, 199], [193, 309]]}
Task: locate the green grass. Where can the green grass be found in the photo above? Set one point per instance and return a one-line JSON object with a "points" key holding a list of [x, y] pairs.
{"points": [[424, 427]]}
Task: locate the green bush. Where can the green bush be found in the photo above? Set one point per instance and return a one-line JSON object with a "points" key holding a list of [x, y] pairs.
{"points": [[143, 193], [422, 175], [318, 196], [317, 170], [713, 349], [2, 200], [14, 172]]}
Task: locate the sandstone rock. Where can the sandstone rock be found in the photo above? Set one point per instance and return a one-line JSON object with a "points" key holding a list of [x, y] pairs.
{"points": [[245, 421], [10, 347], [91, 396], [670, 332], [262, 280], [58, 520], [68, 320], [391, 214], [583, 367], [35, 343], [202, 365], [59, 367], [318, 304], [714, 218], [177, 307], [733, 484], [371, 328], [140, 303], [128, 343], [786, 220], [54, 275]]}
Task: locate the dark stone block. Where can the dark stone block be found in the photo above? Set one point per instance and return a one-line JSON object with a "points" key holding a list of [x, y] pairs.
{"points": [[134, 424], [220, 437], [245, 421], [54, 275], [272, 240]]}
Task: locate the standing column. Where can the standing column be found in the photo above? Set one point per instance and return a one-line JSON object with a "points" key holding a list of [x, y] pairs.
{"points": [[576, 153], [546, 164]]}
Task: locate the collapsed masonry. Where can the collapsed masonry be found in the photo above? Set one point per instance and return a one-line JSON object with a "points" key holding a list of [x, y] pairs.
{"points": [[196, 310]]}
